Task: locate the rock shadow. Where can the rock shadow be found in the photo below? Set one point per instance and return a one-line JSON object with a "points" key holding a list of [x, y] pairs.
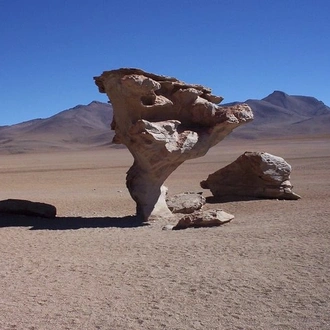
{"points": [[229, 199], [69, 223]]}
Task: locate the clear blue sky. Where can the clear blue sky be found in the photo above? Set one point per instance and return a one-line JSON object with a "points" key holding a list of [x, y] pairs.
{"points": [[50, 50]]}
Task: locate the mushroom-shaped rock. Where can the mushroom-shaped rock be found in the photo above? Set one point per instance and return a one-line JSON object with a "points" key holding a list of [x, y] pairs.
{"points": [[163, 122], [253, 174]]}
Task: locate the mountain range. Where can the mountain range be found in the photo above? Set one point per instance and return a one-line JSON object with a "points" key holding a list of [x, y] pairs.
{"points": [[84, 126], [278, 115]]}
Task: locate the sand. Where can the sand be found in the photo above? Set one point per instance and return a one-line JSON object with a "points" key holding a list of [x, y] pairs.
{"points": [[94, 267]]}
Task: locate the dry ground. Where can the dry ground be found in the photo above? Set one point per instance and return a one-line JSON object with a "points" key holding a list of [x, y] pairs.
{"points": [[94, 267]]}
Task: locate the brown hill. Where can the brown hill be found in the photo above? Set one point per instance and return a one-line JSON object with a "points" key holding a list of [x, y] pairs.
{"points": [[77, 128], [88, 126]]}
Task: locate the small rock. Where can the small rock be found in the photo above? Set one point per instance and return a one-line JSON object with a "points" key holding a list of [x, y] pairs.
{"points": [[186, 203], [209, 218], [168, 227]]}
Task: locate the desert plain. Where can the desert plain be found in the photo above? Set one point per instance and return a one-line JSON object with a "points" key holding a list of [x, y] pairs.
{"points": [[95, 267]]}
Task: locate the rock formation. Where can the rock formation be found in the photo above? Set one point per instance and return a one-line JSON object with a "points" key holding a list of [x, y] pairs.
{"points": [[209, 218], [186, 203], [253, 174], [163, 122], [25, 207]]}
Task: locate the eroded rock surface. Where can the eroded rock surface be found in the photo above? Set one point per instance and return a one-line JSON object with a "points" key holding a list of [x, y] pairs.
{"points": [[25, 207], [186, 203], [209, 218], [163, 122], [253, 174]]}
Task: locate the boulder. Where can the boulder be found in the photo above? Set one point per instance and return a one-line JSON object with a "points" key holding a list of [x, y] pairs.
{"points": [[253, 174], [209, 218], [187, 202], [25, 207], [163, 122]]}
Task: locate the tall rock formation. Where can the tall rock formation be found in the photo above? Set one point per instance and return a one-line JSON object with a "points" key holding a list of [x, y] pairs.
{"points": [[163, 122]]}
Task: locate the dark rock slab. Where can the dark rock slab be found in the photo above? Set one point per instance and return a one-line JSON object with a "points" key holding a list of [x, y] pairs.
{"points": [[25, 207]]}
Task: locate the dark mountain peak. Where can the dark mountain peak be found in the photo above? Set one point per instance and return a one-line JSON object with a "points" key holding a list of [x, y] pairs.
{"points": [[306, 106], [276, 94], [96, 103], [92, 104], [278, 98], [78, 106]]}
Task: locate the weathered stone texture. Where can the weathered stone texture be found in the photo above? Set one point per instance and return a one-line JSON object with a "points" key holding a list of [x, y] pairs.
{"points": [[187, 202], [163, 122], [253, 174], [209, 218]]}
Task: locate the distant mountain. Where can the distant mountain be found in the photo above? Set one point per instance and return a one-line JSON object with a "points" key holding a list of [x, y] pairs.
{"points": [[280, 114], [80, 127], [88, 126]]}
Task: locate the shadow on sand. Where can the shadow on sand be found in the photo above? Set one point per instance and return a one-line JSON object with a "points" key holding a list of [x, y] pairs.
{"points": [[229, 199], [65, 223]]}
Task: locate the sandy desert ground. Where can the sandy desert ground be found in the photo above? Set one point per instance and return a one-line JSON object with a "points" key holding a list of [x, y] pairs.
{"points": [[95, 267]]}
